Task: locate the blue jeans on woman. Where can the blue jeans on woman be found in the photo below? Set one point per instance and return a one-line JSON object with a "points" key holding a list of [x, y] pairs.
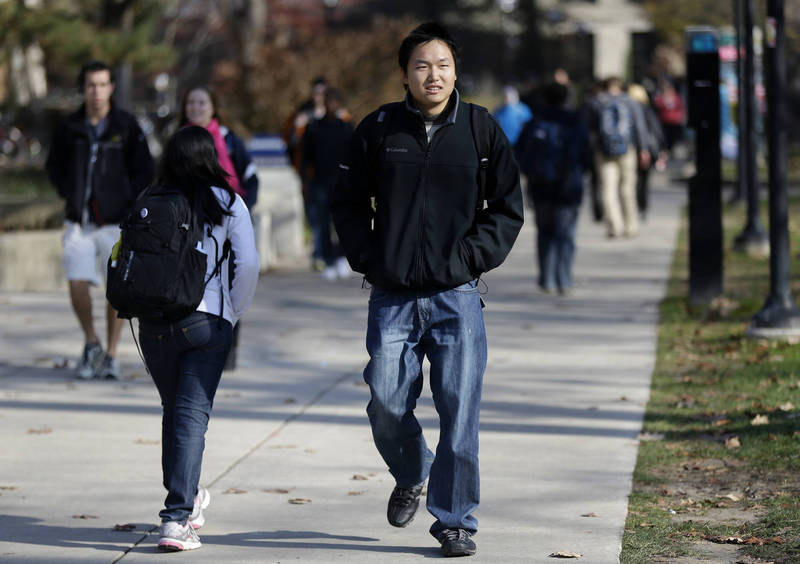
{"points": [[555, 243], [446, 326], [185, 360]]}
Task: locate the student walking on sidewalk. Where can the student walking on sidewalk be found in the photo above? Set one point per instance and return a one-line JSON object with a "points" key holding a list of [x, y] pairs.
{"points": [[99, 162], [422, 247], [185, 358]]}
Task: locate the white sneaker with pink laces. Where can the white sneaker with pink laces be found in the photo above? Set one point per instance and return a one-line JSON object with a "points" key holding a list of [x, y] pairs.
{"points": [[201, 501], [175, 537]]}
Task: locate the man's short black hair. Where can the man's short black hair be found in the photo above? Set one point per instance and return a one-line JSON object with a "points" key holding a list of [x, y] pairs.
{"points": [[555, 94], [428, 31], [93, 66]]}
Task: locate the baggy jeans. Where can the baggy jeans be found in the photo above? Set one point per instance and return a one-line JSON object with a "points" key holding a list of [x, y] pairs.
{"points": [[446, 326], [185, 359]]}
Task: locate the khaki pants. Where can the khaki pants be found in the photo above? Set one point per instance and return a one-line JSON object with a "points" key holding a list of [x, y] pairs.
{"points": [[618, 189]]}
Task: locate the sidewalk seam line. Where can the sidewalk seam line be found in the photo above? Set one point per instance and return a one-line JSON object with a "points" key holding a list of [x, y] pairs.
{"points": [[134, 545], [253, 449], [303, 410]]}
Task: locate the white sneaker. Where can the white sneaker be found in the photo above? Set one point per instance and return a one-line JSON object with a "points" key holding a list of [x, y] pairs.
{"points": [[329, 273], [91, 360], [343, 269], [201, 501], [175, 537]]}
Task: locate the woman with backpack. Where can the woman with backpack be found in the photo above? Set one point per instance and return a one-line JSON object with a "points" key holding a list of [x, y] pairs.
{"points": [[185, 358], [199, 107]]}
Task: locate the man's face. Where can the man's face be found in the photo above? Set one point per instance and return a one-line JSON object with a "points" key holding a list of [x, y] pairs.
{"points": [[430, 76], [97, 90]]}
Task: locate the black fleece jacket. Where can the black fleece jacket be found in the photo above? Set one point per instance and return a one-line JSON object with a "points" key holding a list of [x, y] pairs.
{"points": [[425, 232], [124, 166]]}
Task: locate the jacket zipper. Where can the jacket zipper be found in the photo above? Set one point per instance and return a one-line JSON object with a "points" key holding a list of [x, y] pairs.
{"points": [[423, 180]]}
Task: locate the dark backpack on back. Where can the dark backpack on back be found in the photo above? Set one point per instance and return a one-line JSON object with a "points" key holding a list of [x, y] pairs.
{"points": [[615, 129], [544, 158], [156, 271]]}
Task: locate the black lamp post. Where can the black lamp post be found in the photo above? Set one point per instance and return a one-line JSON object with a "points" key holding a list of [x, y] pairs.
{"points": [[752, 239], [741, 158], [779, 317]]}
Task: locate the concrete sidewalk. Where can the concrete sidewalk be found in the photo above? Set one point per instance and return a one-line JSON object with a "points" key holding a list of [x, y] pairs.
{"points": [[290, 463]]}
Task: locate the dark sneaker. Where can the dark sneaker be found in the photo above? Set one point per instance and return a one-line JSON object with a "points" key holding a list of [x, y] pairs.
{"points": [[91, 360], [403, 503], [457, 542]]}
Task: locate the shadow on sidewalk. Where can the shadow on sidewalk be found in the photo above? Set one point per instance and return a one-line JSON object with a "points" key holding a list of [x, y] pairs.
{"points": [[295, 540], [30, 531]]}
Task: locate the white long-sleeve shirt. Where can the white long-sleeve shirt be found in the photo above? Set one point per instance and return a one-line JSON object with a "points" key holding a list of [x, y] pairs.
{"points": [[238, 295]]}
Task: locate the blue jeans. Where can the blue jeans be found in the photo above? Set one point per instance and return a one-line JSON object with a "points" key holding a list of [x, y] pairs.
{"points": [[319, 218], [555, 243], [185, 360], [447, 327]]}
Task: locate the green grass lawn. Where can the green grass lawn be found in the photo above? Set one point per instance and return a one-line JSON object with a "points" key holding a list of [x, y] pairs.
{"points": [[28, 182], [723, 461]]}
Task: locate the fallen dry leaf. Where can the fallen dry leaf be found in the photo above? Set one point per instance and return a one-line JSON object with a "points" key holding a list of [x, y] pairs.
{"points": [[592, 514], [234, 491], [565, 554], [9, 488], [299, 501], [732, 443], [733, 497], [42, 431], [126, 527], [788, 406], [147, 442], [288, 401], [277, 490], [359, 477], [720, 422], [84, 517], [646, 525], [356, 493], [760, 420]]}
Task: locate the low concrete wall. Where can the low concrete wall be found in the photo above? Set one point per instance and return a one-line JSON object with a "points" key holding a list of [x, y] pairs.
{"points": [[30, 261], [279, 218]]}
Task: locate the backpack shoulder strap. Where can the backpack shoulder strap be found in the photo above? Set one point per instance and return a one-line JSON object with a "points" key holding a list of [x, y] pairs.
{"points": [[479, 117], [382, 120]]}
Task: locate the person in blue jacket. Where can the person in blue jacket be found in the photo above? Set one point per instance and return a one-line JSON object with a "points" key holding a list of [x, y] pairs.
{"points": [[513, 114]]}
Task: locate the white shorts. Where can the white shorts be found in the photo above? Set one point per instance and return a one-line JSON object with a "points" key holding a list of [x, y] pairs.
{"points": [[86, 250]]}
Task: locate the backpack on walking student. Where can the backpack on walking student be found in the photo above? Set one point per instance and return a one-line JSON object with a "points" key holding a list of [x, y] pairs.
{"points": [[615, 131], [157, 269], [543, 153]]}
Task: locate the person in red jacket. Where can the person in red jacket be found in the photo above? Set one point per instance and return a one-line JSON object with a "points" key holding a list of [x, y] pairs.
{"points": [[671, 113]]}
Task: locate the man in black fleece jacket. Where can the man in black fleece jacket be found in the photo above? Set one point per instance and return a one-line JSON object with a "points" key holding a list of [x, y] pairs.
{"points": [[407, 213], [99, 162]]}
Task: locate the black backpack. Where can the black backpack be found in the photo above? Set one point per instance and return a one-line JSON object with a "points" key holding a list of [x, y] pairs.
{"points": [[157, 271], [479, 120], [542, 152]]}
